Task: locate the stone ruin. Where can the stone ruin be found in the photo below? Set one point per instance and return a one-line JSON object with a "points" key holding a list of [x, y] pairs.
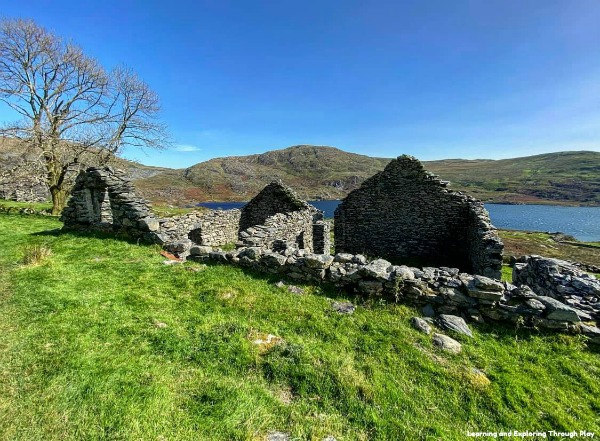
{"points": [[279, 234], [104, 199], [407, 215]]}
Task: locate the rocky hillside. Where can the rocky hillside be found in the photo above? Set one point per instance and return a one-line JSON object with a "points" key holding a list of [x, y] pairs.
{"points": [[329, 173], [317, 172], [314, 172], [28, 184]]}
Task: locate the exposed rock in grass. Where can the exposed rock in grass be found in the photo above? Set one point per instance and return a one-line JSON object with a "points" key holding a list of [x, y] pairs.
{"points": [[454, 323], [343, 307], [420, 325], [264, 342], [446, 343], [278, 436], [477, 378]]}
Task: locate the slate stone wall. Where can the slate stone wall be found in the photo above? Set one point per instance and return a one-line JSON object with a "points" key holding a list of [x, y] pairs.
{"points": [[560, 280], [321, 237], [214, 227], [273, 199], [24, 191], [103, 198], [277, 213], [436, 290], [406, 214]]}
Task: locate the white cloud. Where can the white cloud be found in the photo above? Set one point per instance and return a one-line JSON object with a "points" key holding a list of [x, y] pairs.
{"points": [[186, 148]]}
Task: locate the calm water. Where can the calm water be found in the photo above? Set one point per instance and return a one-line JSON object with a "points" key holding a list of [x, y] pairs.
{"points": [[581, 222]]}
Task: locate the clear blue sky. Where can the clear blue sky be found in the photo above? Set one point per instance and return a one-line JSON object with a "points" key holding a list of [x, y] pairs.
{"points": [[435, 79]]}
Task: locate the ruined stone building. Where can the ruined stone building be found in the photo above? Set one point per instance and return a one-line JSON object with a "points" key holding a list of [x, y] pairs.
{"points": [[408, 215], [105, 199], [277, 213]]}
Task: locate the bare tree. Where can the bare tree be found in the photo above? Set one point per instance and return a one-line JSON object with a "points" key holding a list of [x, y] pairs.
{"points": [[72, 112]]}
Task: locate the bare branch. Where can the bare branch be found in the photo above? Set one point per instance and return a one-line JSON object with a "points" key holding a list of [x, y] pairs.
{"points": [[72, 111]]}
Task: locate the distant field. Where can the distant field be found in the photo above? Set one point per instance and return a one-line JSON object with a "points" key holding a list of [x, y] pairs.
{"points": [[519, 243], [102, 341]]}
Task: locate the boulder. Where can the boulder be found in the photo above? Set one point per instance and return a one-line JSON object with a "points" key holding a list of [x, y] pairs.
{"points": [[378, 269], [420, 325], [343, 307], [446, 343], [558, 311], [318, 261], [454, 323]]}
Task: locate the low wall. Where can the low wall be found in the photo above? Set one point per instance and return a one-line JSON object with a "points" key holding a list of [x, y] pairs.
{"points": [[294, 227], [213, 228], [560, 280], [437, 290]]}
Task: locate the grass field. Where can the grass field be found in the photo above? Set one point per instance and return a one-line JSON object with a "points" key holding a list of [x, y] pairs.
{"points": [[102, 341]]}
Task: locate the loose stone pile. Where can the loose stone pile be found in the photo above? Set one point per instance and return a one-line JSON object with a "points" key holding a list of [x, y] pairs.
{"points": [[405, 213], [559, 280]]}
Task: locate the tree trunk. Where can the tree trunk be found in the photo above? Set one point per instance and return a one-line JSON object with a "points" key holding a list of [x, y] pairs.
{"points": [[59, 200]]}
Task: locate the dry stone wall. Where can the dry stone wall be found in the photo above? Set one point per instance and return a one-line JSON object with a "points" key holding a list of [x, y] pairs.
{"points": [[437, 291], [559, 280], [406, 214], [103, 198], [24, 191], [277, 213]]}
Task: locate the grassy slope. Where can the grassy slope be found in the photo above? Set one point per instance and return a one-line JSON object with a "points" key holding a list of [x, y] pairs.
{"points": [[329, 173], [315, 172], [84, 355], [568, 177], [518, 243]]}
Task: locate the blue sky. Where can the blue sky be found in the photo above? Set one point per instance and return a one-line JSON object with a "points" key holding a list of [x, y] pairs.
{"points": [[434, 78]]}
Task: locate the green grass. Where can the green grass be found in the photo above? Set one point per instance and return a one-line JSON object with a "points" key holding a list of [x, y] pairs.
{"points": [[101, 341], [39, 206], [506, 273]]}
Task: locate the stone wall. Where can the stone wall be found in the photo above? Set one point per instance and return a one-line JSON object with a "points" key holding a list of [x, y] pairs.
{"points": [[24, 191], [103, 198], [560, 280], [436, 290], [408, 215], [321, 237], [214, 228], [277, 213]]}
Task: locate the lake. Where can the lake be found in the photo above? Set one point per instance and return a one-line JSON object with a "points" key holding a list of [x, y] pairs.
{"points": [[583, 223]]}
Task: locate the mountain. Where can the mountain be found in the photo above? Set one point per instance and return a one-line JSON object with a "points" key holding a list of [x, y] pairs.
{"points": [[317, 172]]}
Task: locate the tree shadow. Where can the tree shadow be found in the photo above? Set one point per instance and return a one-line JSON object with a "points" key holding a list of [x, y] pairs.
{"points": [[94, 234]]}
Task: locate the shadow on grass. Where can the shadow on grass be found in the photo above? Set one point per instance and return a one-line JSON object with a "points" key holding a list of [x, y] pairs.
{"points": [[93, 234]]}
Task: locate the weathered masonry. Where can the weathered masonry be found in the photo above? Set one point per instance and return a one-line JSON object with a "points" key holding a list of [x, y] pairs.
{"points": [[105, 199], [277, 213], [406, 214]]}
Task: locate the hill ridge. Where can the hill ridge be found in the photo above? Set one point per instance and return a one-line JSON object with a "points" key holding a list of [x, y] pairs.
{"points": [[327, 172]]}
